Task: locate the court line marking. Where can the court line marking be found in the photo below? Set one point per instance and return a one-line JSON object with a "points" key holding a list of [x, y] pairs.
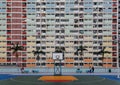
{"points": [[94, 81], [24, 81]]}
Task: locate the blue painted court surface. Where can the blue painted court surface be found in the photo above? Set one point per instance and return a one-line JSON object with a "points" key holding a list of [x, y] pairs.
{"points": [[6, 76]]}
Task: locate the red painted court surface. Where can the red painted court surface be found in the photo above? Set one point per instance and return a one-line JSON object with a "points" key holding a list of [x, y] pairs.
{"points": [[58, 78]]}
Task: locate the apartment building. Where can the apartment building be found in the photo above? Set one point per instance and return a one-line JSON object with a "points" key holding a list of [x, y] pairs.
{"points": [[49, 24]]}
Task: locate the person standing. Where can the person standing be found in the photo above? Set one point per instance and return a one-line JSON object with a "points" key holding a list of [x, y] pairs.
{"points": [[93, 69]]}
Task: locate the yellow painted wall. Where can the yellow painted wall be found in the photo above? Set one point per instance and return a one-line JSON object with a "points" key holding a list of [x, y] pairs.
{"points": [[30, 54], [88, 54], [88, 44], [50, 44], [3, 44], [69, 44], [108, 49], [107, 43], [31, 44], [3, 49], [69, 38], [88, 38], [3, 54], [49, 54], [50, 38], [69, 55], [107, 38], [2, 38], [69, 49], [108, 55], [50, 49], [31, 38]]}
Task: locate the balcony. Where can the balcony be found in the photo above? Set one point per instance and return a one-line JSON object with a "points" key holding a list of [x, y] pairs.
{"points": [[114, 16], [114, 55], [8, 21], [23, 16], [8, 32], [114, 32], [24, 5], [23, 60], [23, 32], [8, 16], [8, 39], [8, 10], [8, 60], [114, 10]]}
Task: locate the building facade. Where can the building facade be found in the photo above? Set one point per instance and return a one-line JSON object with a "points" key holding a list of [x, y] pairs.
{"points": [[119, 29], [50, 24]]}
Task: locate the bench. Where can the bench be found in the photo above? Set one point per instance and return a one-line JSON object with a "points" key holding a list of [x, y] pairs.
{"points": [[89, 71], [26, 71], [78, 71], [35, 71]]}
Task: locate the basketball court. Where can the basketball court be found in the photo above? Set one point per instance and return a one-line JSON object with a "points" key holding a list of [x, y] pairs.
{"points": [[78, 80]]}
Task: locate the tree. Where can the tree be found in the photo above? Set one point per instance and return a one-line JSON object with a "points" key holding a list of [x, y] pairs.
{"points": [[38, 52], [16, 48], [60, 49], [102, 52], [80, 50]]}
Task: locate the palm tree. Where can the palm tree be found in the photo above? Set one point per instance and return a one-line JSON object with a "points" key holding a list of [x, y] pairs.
{"points": [[80, 50], [102, 52], [16, 48], [60, 49], [38, 52]]}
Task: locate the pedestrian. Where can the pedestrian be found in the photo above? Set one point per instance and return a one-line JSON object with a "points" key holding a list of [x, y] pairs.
{"points": [[22, 70], [93, 69], [90, 69]]}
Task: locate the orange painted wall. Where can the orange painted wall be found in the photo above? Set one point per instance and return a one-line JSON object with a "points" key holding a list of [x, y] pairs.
{"points": [[50, 65], [69, 60], [69, 65], [107, 60], [31, 60], [49, 60], [87, 65], [3, 60], [107, 65], [87, 60], [30, 65]]}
